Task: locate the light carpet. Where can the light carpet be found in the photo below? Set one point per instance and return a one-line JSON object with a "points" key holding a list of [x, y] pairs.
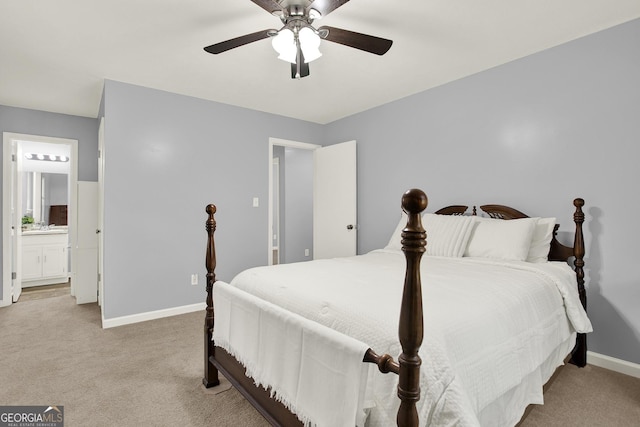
{"points": [[54, 352]]}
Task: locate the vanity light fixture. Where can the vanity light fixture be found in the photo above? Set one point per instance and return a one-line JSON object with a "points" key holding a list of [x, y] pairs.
{"points": [[46, 157]]}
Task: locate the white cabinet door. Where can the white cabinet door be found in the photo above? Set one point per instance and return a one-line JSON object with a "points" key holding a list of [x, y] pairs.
{"points": [[44, 259], [31, 262], [54, 261]]}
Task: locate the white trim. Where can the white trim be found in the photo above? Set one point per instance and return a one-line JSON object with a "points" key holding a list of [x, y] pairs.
{"points": [[613, 364], [5, 298], [152, 315]]}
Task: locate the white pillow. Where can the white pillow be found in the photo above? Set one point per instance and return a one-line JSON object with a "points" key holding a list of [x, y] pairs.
{"points": [[541, 240], [447, 235], [501, 239], [395, 242]]}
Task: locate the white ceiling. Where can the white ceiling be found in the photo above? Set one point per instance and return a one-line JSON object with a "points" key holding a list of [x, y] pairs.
{"points": [[55, 54]]}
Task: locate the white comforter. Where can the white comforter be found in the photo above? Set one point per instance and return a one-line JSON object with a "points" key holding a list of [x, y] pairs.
{"points": [[488, 325]]}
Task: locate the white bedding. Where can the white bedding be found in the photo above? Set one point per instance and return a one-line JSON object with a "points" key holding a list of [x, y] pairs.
{"points": [[494, 330]]}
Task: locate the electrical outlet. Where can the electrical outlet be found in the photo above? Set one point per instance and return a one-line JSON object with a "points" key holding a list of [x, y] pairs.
{"points": [[194, 279], [306, 252], [256, 202]]}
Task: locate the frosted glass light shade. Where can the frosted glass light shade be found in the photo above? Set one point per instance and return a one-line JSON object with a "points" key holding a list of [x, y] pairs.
{"points": [[310, 44], [284, 43]]}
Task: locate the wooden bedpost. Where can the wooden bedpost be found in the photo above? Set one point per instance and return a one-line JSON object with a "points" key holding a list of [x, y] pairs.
{"points": [[411, 325], [210, 372], [410, 328], [579, 353]]}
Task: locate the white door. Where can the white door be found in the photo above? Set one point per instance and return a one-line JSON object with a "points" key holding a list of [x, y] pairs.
{"points": [[100, 211], [87, 243], [16, 220], [335, 201]]}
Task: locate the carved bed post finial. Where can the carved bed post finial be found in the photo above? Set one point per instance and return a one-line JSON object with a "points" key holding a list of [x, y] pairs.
{"points": [[210, 372], [411, 324], [579, 353]]}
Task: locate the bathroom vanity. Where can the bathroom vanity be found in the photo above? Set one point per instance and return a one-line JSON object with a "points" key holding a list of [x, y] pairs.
{"points": [[45, 257]]}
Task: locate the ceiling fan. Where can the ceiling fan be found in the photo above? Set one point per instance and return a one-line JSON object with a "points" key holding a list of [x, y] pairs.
{"points": [[298, 41]]}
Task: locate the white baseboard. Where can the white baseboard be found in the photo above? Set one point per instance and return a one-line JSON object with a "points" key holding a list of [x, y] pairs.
{"points": [[613, 364], [151, 315]]}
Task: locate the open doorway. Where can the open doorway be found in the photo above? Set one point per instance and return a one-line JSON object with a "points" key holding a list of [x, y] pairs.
{"points": [[317, 211], [290, 201], [39, 202]]}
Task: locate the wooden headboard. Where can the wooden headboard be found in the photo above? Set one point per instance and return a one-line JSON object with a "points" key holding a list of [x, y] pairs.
{"points": [[557, 252], [452, 210]]}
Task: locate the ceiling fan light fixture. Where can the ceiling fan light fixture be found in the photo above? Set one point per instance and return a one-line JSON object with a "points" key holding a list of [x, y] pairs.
{"points": [[298, 42], [284, 43], [315, 14], [309, 43]]}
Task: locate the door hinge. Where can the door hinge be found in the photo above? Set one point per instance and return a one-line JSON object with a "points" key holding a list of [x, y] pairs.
{"points": [[13, 157], [14, 276], [99, 277], [99, 153]]}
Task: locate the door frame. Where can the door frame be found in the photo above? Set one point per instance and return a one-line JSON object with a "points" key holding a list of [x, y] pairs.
{"points": [[7, 244], [282, 143], [100, 230]]}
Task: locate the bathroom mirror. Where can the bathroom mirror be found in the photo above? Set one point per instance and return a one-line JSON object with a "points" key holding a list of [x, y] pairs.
{"points": [[45, 197]]}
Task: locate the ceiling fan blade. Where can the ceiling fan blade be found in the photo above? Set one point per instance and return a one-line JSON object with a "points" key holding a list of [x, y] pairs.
{"points": [[238, 41], [365, 42], [268, 5], [325, 7]]}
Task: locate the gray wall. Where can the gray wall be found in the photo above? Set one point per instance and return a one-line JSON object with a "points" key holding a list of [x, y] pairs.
{"points": [[166, 157], [32, 122], [298, 190], [534, 134], [278, 152]]}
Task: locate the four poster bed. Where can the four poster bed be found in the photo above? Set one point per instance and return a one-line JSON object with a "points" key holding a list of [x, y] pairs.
{"points": [[502, 311]]}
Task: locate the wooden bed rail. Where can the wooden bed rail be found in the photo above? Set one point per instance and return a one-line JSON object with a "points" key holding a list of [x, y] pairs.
{"points": [[410, 329]]}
